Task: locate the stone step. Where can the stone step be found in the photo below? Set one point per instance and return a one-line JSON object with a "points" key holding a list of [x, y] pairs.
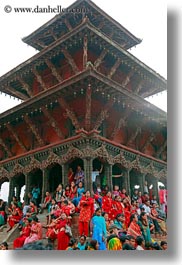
{"points": [[14, 233]]}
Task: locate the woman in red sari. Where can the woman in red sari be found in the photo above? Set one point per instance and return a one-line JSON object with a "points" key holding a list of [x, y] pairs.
{"points": [[19, 241], [52, 229], [62, 236], [107, 204], [36, 231], [73, 190], [32, 209], [134, 229], [86, 206], [70, 175], [117, 206], [15, 216], [127, 206]]}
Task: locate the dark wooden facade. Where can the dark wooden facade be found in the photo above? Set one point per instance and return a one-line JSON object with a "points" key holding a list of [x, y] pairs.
{"points": [[83, 101]]}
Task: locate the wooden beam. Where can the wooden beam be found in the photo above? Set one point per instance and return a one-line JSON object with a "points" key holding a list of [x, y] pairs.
{"points": [[133, 136], [149, 140], [54, 70], [39, 78], [17, 94], [69, 113], [6, 147], [101, 24], [53, 122], [139, 87], [111, 34], [126, 81], [121, 123], [104, 114], [16, 137], [40, 43], [148, 93], [34, 130], [98, 61], [68, 25], [88, 108], [70, 60], [53, 34], [114, 68], [25, 86], [85, 51], [162, 148]]}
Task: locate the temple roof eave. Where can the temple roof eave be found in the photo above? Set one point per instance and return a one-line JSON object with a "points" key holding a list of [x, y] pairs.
{"points": [[25, 66], [52, 93], [29, 39], [78, 142]]}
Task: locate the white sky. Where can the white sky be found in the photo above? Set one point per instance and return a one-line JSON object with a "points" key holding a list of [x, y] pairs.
{"points": [[147, 20]]}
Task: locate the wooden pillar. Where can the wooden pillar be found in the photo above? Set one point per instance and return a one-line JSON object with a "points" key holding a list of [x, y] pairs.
{"points": [[108, 172], [11, 190], [26, 190], [88, 173], [45, 176], [128, 188], [18, 191], [155, 188], [85, 51], [65, 174], [125, 182], [141, 180]]}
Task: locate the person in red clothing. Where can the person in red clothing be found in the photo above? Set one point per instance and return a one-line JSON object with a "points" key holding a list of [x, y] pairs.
{"points": [[62, 236], [117, 206], [145, 197], [73, 190], [162, 198], [133, 208], [134, 229], [86, 206], [127, 205], [32, 211], [65, 208], [70, 175], [19, 241], [124, 194], [107, 204], [15, 216], [47, 202], [51, 233], [67, 191]]}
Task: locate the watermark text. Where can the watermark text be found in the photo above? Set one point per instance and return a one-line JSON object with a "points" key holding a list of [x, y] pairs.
{"points": [[48, 9]]}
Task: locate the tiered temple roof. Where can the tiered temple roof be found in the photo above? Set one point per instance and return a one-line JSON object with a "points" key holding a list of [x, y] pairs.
{"points": [[83, 97]]}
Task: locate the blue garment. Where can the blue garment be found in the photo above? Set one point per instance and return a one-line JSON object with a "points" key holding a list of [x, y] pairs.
{"points": [[119, 224], [99, 231], [35, 193], [80, 191], [1, 219], [76, 200], [81, 247]]}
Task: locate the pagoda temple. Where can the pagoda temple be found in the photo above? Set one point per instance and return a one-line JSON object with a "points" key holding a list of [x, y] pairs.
{"points": [[83, 104]]}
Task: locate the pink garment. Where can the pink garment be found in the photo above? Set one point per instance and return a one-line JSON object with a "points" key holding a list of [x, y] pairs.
{"points": [[161, 196], [36, 233], [31, 238]]}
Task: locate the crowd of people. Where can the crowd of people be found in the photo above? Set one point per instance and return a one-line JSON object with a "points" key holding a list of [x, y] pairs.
{"points": [[107, 219]]}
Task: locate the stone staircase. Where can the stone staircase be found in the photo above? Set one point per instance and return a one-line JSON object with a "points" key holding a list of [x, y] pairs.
{"points": [[10, 236], [14, 233]]}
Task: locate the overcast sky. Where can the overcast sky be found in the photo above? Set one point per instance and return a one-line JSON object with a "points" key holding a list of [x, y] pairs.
{"points": [[147, 20]]}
